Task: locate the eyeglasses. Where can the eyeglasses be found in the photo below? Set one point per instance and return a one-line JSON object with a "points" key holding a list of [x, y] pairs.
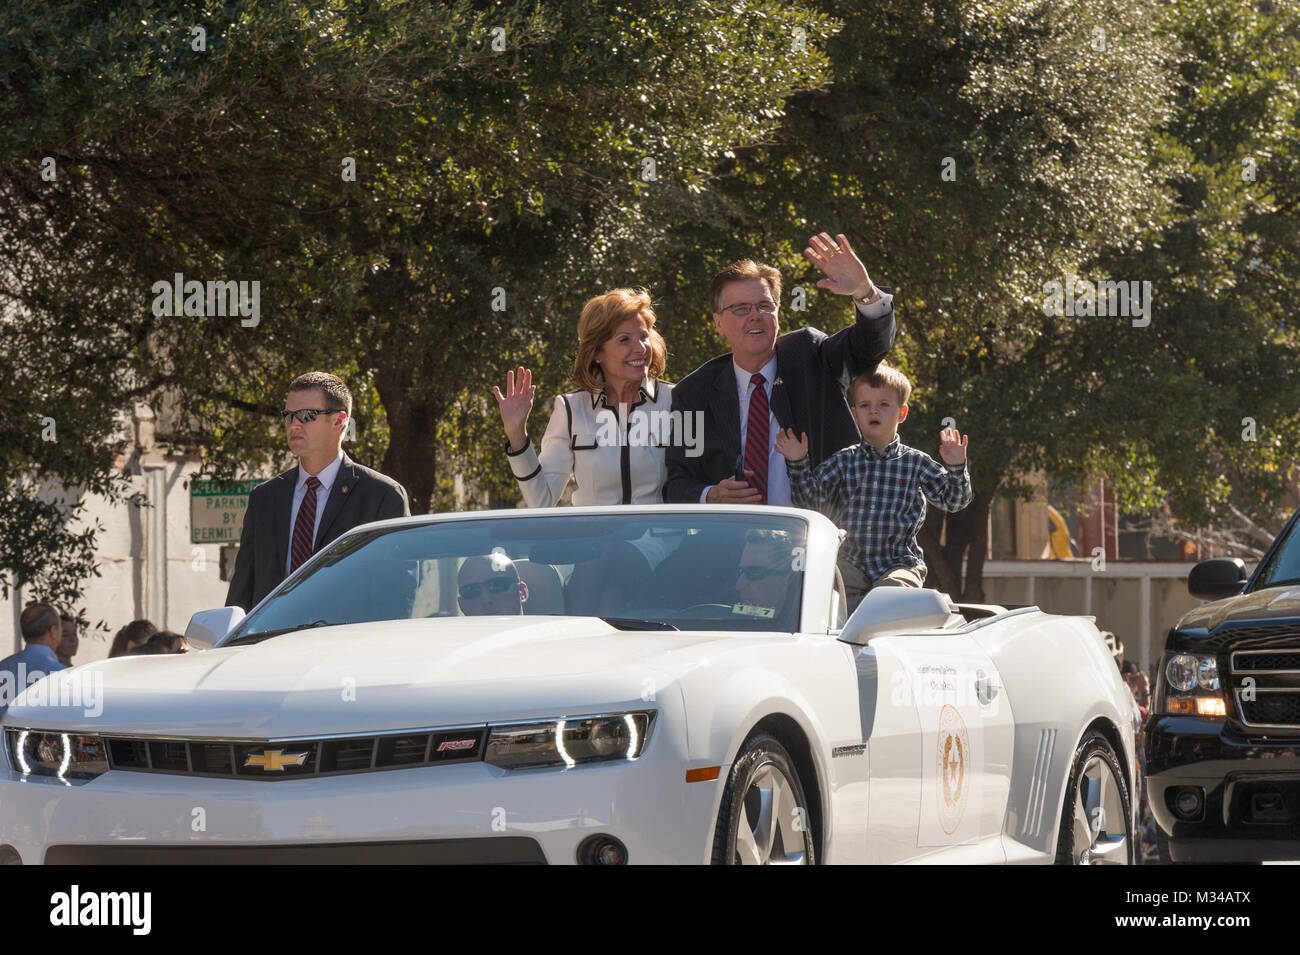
{"points": [[495, 586], [744, 309], [307, 415], [758, 573]]}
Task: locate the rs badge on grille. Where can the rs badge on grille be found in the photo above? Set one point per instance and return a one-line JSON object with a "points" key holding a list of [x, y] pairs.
{"points": [[454, 744], [274, 760]]}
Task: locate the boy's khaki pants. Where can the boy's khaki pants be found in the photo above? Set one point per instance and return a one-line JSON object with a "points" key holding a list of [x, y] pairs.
{"points": [[856, 583]]}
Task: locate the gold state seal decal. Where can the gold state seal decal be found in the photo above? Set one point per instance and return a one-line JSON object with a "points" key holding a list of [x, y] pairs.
{"points": [[952, 758]]}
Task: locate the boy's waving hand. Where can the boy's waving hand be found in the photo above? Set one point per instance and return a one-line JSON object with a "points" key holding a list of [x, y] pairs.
{"points": [[952, 446]]}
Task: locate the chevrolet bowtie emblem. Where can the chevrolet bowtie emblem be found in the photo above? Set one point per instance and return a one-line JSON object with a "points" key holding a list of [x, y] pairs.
{"points": [[274, 760]]}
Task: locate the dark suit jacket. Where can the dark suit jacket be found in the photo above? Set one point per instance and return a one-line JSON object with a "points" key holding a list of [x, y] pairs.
{"points": [[359, 496], [813, 371]]}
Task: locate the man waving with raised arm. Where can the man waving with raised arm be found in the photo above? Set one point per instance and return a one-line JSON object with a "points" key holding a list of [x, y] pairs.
{"points": [[767, 382]]}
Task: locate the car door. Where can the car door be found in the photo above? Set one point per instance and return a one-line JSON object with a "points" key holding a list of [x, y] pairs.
{"points": [[940, 750]]}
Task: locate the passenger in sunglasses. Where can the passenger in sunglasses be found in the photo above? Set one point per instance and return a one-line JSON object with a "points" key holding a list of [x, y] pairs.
{"points": [[765, 574], [490, 585], [292, 516]]}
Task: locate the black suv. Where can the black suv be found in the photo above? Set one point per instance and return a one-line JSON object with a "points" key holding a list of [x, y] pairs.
{"points": [[1222, 742]]}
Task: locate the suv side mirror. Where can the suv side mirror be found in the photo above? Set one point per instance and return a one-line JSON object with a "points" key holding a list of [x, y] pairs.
{"points": [[1217, 578]]}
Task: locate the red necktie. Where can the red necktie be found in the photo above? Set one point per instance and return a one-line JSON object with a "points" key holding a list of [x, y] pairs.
{"points": [[304, 528], [757, 435]]}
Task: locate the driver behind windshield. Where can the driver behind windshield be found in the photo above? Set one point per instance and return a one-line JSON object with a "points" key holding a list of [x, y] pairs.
{"points": [[763, 577], [490, 585]]}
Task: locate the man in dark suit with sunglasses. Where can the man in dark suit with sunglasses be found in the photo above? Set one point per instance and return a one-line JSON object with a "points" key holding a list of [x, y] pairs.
{"points": [[299, 512]]}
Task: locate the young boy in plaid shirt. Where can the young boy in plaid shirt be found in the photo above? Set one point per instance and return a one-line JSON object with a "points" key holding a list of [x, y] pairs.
{"points": [[877, 490]]}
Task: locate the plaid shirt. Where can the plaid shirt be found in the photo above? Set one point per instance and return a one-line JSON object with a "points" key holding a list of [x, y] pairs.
{"points": [[879, 499]]}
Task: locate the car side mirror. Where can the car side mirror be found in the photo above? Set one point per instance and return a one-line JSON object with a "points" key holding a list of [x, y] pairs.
{"points": [[890, 609], [212, 625], [1217, 578]]}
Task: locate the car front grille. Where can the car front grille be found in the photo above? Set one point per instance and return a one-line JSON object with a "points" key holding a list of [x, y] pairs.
{"points": [[487, 850], [1266, 684], [295, 758], [1271, 709]]}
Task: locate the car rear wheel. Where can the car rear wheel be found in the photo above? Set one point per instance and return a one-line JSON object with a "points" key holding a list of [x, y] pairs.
{"points": [[763, 819], [1096, 826]]}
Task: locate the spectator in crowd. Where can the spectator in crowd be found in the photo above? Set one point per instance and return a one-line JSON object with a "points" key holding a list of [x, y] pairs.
{"points": [[1116, 649], [134, 634], [69, 644], [608, 436], [767, 383], [292, 516], [164, 641], [490, 585], [42, 632], [1141, 686]]}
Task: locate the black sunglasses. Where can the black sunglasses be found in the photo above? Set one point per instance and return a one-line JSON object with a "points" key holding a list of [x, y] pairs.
{"points": [[758, 573], [307, 415], [495, 586]]}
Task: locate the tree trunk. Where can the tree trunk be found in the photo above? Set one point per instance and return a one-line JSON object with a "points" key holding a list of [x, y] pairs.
{"points": [[977, 519], [966, 538], [412, 426], [941, 575]]}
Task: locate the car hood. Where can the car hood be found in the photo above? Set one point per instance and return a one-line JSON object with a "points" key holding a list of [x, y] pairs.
{"points": [[1260, 607], [361, 678]]}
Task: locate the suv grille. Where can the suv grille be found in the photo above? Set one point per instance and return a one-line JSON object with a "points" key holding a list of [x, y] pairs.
{"points": [[1272, 709], [1266, 685]]}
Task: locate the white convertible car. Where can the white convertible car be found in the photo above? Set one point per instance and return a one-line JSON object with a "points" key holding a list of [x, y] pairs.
{"points": [[583, 685]]}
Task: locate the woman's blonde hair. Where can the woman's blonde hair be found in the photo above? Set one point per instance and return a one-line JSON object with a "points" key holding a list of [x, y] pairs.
{"points": [[600, 317]]}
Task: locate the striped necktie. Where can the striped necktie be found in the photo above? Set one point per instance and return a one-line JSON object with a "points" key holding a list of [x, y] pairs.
{"points": [[757, 435], [304, 528]]}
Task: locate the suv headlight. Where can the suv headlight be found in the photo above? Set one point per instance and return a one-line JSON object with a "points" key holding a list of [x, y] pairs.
{"points": [[61, 755], [1188, 685], [568, 742]]}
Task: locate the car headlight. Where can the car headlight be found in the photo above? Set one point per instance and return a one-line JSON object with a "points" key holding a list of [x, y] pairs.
{"points": [[568, 742], [1189, 685], [62, 755]]}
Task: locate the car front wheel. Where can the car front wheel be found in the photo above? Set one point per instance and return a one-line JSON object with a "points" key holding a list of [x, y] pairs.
{"points": [[763, 819], [1096, 827]]}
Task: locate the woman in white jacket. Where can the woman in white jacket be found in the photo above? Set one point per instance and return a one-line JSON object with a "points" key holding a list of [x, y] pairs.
{"points": [[609, 435]]}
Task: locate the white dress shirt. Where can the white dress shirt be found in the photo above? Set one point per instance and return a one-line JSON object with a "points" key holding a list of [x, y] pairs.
{"points": [[326, 477], [610, 460], [778, 479]]}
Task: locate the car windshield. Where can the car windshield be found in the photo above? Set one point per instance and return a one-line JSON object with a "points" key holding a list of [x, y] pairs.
{"points": [[688, 571], [1284, 566]]}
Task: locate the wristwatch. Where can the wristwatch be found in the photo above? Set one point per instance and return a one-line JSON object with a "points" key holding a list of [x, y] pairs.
{"points": [[870, 297]]}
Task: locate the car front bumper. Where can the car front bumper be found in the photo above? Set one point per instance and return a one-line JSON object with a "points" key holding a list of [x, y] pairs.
{"points": [[468, 812], [1249, 788]]}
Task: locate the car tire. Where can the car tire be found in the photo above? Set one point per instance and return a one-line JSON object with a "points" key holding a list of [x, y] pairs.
{"points": [[763, 819], [1096, 782]]}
